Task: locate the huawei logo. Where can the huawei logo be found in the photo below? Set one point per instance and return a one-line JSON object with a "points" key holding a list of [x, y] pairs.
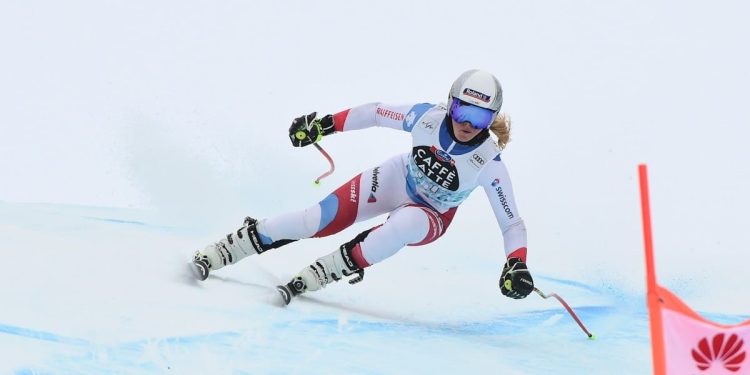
{"points": [[724, 350]]}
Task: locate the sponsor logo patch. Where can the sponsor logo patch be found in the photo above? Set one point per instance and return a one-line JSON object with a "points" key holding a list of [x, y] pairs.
{"points": [[375, 185], [442, 155], [503, 199], [353, 192], [429, 126], [387, 113], [345, 255], [477, 95], [476, 161], [440, 169]]}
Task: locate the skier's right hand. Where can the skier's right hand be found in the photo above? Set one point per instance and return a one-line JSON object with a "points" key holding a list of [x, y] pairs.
{"points": [[307, 129]]}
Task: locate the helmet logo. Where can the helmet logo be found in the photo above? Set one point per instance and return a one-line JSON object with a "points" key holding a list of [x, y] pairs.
{"points": [[477, 95]]}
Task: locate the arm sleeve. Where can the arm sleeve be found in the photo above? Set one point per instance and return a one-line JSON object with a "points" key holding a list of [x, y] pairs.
{"points": [[375, 114], [495, 180]]}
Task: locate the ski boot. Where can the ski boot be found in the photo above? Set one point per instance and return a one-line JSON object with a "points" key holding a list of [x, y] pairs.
{"points": [[325, 270], [235, 247]]}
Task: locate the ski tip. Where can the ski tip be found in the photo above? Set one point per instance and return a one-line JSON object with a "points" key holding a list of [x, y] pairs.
{"points": [[285, 293], [199, 269]]}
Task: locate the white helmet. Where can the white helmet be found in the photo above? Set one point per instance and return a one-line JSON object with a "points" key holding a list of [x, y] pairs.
{"points": [[478, 88]]}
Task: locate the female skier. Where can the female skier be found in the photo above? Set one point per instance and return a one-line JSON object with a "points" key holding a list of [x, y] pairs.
{"points": [[452, 154]]}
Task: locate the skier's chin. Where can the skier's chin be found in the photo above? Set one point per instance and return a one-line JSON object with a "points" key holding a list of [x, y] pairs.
{"points": [[464, 136], [463, 131]]}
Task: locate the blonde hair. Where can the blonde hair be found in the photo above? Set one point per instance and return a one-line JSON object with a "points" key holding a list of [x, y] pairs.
{"points": [[501, 128]]}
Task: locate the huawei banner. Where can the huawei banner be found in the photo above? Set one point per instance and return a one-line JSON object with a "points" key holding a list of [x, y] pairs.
{"points": [[683, 342], [691, 344]]}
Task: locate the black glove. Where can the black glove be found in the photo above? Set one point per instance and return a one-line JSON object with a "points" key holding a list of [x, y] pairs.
{"points": [[306, 130], [516, 281]]}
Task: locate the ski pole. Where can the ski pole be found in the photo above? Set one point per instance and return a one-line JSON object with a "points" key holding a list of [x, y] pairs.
{"points": [[330, 162], [570, 311]]}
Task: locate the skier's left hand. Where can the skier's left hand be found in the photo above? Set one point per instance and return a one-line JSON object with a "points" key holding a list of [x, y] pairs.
{"points": [[516, 281], [307, 129]]}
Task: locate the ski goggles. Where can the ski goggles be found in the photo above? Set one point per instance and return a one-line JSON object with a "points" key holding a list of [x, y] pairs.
{"points": [[480, 118]]}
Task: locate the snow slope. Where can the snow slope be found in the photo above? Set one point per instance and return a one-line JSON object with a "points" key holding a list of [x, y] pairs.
{"points": [[110, 293], [152, 128]]}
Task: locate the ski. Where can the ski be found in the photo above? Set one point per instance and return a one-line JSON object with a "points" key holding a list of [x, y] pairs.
{"points": [[200, 269], [291, 289], [285, 293]]}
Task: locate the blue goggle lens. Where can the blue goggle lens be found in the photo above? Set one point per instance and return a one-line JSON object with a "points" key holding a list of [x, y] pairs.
{"points": [[480, 118]]}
